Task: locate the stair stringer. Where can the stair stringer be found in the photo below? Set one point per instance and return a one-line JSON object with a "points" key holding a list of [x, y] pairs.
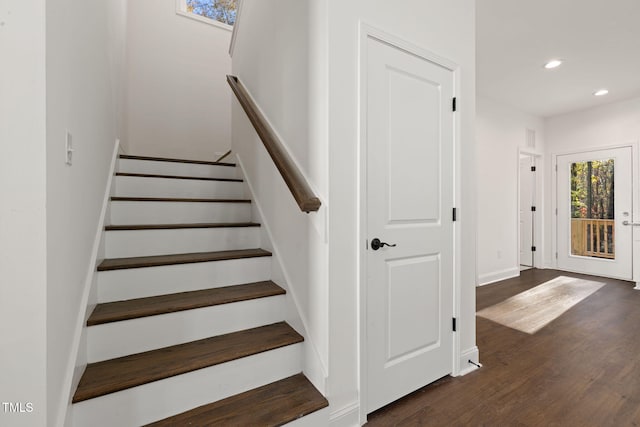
{"points": [[313, 367], [78, 356]]}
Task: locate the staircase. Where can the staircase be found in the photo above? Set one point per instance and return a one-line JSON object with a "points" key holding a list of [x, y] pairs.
{"points": [[189, 329]]}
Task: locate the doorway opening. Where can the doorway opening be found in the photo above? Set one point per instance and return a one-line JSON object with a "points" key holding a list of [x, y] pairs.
{"points": [[527, 211]]}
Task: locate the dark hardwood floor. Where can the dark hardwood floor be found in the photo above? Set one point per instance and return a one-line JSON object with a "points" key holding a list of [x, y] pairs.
{"points": [[583, 369]]}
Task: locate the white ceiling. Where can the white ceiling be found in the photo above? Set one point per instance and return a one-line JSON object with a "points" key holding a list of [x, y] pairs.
{"points": [[599, 41]]}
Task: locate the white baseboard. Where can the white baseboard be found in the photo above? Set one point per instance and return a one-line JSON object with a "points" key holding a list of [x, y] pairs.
{"points": [[496, 276], [75, 367], [472, 354], [347, 416]]}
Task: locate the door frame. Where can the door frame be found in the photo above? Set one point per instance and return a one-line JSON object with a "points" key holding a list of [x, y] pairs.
{"points": [[367, 31], [538, 235], [635, 211]]}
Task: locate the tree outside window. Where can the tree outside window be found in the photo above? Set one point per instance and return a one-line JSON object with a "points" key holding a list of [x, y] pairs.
{"points": [[592, 192], [592, 208], [219, 10]]}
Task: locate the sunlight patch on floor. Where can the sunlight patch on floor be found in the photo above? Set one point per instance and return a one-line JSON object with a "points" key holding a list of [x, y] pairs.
{"points": [[535, 308]]}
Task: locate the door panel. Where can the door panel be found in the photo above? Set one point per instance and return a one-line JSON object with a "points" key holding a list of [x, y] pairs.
{"points": [[411, 303], [594, 199], [409, 287], [413, 110]]}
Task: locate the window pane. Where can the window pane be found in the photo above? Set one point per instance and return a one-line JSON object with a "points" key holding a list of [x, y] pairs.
{"points": [[220, 10], [592, 209]]}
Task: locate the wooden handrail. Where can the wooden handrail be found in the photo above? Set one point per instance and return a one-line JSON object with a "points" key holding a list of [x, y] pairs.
{"points": [[300, 189]]}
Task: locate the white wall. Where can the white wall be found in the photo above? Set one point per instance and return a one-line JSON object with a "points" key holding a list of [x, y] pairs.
{"points": [[179, 104], [85, 48], [447, 29], [311, 97], [273, 58], [605, 126], [500, 135], [23, 259]]}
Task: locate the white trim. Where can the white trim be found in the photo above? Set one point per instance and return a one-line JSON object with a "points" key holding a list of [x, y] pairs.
{"points": [[319, 369], [635, 212], [181, 9], [347, 416], [236, 27], [496, 276], [366, 31], [469, 354], [72, 374]]}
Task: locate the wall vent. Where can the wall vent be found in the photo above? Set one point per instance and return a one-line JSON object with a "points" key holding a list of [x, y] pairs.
{"points": [[531, 138]]}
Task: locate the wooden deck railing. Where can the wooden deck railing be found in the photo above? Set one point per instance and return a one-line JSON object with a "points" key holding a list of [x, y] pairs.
{"points": [[593, 237], [300, 189]]}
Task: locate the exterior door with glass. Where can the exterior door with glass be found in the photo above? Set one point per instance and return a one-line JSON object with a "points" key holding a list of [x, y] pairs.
{"points": [[594, 199]]}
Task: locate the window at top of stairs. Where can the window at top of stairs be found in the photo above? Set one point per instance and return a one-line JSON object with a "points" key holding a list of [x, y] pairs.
{"points": [[216, 12]]}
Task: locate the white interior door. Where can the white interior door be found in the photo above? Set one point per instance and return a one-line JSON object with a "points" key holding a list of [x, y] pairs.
{"points": [[410, 194], [526, 214], [594, 191]]}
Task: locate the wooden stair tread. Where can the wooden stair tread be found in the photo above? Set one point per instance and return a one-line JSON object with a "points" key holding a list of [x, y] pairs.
{"points": [[165, 159], [159, 260], [180, 226], [130, 371], [162, 304], [197, 178], [177, 199], [274, 404]]}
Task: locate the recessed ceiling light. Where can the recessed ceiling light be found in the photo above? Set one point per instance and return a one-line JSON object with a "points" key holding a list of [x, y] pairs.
{"points": [[554, 63], [601, 92]]}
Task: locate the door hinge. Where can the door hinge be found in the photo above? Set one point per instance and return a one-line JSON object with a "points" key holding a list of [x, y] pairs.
{"points": [[556, 168], [453, 324], [453, 104], [556, 255], [533, 208], [533, 248], [533, 168], [455, 214]]}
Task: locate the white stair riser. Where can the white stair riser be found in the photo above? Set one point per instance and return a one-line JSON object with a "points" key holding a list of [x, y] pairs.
{"points": [[117, 339], [130, 213], [160, 399], [118, 285], [315, 419], [151, 167], [131, 243], [129, 186]]}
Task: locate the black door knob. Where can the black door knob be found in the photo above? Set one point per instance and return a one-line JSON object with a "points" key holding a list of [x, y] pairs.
{"points": [[377, 244]]}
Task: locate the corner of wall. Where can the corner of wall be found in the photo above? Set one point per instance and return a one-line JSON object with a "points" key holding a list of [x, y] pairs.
{"points": [[313, 366]]}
